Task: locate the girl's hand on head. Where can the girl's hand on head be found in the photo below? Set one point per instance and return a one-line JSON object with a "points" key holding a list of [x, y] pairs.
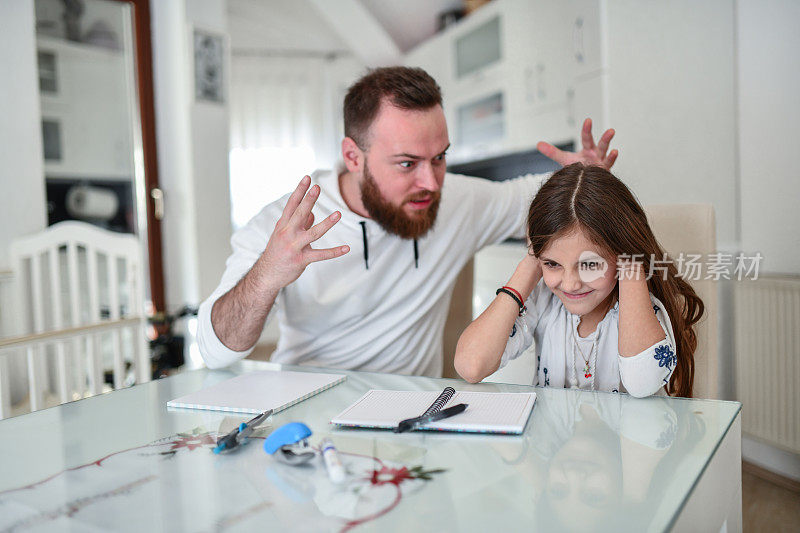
{"points": [[531, 264], [629, 269], [527, 275]]}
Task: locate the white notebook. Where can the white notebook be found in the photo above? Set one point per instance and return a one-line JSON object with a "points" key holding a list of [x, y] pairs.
{"points": [[259, 391], [487, 412]]}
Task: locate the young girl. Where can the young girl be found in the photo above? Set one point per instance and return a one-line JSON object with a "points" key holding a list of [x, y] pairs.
{"points": [[598, 322]]}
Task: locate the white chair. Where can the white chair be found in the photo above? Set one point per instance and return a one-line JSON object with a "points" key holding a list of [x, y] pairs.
{"points": [[459, 317], [691, 229], [77, 286]]}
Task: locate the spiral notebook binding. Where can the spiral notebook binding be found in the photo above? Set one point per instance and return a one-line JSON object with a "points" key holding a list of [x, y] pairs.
{"points": [[441, 401]]}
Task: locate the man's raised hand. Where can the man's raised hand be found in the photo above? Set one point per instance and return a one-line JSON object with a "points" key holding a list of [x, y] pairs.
{"points": [[591, 154], [289, 251]]}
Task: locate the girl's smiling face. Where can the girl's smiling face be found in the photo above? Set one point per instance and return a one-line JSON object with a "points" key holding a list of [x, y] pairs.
{"points": [[579, 272]]}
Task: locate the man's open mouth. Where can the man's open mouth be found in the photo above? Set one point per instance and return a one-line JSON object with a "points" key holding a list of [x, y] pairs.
{"points": [[420, 203]]}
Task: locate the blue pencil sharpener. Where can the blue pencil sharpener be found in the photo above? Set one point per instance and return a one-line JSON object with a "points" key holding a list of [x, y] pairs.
{"points": [[289, 444]]}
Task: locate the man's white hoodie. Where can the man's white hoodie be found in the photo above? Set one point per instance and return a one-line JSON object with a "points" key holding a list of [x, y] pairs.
{"points": [[381, 307]]}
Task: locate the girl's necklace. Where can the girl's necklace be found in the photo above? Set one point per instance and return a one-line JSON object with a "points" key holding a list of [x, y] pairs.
{"points": [[589, 362]]}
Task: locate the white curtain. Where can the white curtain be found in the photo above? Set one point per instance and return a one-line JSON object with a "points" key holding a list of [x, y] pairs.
{"points": [[284, 124]]}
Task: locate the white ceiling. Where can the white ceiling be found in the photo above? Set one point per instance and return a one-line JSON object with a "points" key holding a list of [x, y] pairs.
{"points": [[409, 22], [279, 25], [296, 25]]}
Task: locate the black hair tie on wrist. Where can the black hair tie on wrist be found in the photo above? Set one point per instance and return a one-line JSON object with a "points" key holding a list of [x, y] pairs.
{"points": [[520, 303]]}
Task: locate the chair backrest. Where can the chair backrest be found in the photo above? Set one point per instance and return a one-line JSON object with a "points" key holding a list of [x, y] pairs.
{"points": [[689, 230], [459, 316], [77, 285]]}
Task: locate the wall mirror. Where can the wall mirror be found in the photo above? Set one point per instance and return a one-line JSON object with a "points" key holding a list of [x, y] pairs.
{"points": [[95, 83]]}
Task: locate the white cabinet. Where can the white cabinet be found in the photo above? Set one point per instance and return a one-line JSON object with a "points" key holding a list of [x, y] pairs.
{"points": [[641, 67], [585, 99], [85, 111], [433, 55], [582, 23], [508, 72]]}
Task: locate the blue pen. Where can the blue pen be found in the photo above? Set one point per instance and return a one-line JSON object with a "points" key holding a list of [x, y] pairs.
{"points": [[239, 434]]}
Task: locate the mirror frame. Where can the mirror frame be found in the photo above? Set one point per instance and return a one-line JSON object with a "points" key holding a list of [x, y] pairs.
{"points": [[140, 10]]}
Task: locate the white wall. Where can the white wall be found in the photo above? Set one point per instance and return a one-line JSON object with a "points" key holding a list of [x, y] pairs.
{"points": [[769, 114], [193, 154], [210, 148], [23, 204], [676, 137], [192, 144], [172, 88], [280, 25]]}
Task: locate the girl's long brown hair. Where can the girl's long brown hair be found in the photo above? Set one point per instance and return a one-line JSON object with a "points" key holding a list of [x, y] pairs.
{"points": [[592, 199]]}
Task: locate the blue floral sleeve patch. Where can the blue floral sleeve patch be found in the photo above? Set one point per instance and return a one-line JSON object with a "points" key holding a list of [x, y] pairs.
{"points": [[656, 309], [665, 357], [513, 331]]}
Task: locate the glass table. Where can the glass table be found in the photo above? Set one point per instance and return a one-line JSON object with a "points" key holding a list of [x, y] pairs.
{"points": [[587, 461]]}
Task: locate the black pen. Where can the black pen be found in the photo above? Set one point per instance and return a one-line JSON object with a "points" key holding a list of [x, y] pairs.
{"points": [[411, 424], [240, 433]]}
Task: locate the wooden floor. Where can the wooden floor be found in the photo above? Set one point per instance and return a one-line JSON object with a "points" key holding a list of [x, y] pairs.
{"points": [[769, 502]]}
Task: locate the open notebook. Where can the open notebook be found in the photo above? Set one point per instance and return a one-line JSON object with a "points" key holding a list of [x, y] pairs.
{"points": [[487, 412], [259, 391]]}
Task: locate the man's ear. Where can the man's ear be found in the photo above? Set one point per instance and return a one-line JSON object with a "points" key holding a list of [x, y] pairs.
{"points": [[353, 155]]}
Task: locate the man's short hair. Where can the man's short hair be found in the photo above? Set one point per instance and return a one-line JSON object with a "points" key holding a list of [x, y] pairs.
{"points": [[404, 87]]}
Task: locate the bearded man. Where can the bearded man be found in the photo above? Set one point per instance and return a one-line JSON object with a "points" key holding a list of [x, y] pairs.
{"points": [[394, 232]]}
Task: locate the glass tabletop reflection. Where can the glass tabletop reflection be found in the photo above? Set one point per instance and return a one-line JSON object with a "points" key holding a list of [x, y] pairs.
{"points": [[586, 461]]}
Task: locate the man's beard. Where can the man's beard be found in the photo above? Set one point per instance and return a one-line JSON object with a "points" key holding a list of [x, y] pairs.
{"points": [[393, 218]]}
